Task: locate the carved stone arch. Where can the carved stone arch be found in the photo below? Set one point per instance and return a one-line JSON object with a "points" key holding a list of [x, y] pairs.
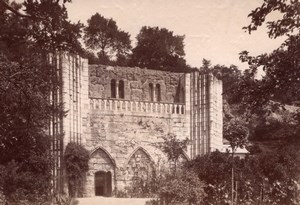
{"points": [[106, 152], [101, 178], [142, 149], [140, 164]]}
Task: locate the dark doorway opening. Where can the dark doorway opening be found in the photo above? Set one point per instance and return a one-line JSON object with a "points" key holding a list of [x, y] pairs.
{"points": [[103, 183]]}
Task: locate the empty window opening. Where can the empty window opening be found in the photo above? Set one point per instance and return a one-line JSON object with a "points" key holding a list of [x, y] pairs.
{"points": [[113, 88], [151, 92], [157, 93], [121, 89]]}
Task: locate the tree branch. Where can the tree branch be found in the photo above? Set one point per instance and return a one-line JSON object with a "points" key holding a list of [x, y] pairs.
{"points": [[8, 7]]}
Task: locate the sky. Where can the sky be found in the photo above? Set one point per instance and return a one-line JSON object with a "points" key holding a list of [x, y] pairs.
{"points": [[212, 28]]}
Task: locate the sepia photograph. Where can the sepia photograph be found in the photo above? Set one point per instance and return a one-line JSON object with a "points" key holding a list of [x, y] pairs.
{"points": [[149, 102]]}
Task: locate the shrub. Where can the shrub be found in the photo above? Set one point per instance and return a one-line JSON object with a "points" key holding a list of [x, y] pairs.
{"points": [[76, 159], [183, 188]]}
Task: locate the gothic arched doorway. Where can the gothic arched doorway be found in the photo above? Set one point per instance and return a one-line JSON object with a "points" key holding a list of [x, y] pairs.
{"points": [[101, 178], [103, 183]]}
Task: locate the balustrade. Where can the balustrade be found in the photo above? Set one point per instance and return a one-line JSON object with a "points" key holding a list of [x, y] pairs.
{"points": [[137, 106]]}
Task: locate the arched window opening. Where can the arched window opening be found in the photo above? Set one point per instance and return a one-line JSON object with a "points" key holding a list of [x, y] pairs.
{"points": [[113, 88], [121, 89], [157, 93], [151, 92]]}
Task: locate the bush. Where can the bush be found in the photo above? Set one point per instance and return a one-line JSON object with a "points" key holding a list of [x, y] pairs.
{"points": [[266, 178], [183, 188], [27, 182], [144, 187], [76, 159]]}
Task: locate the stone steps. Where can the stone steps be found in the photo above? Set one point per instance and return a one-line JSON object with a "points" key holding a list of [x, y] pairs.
{"points": [[112, 201]]}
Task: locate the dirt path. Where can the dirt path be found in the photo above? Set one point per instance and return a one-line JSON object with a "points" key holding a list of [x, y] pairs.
{"points": [[112, 201]]}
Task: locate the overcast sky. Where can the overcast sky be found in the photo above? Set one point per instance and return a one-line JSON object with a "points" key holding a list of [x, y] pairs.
{"points": [[212, 28]]}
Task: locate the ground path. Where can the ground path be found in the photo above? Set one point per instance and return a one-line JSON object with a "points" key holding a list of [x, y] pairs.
{"points": [[111, 201]]}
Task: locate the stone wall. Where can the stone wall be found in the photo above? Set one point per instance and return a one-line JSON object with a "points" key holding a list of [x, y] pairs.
{"points": [[136, 83], [75, 96], [121, 133], [123, 142]]}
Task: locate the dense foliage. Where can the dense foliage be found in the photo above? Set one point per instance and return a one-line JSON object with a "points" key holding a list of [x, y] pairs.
{"points": [[281, 67], [158, 48], [104, 35], [266, 178], [236, 133], [174, 149], [26, 82], [184, 188], [76, 159]]}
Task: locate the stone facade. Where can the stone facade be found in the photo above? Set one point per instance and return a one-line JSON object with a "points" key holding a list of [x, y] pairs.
{"points": [[120, 114], [136, 83]]}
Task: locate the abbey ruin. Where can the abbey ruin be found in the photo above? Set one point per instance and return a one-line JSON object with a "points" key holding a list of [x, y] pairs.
{"points": [[120, 113]]}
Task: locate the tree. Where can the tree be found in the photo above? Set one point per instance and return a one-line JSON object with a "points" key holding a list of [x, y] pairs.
{"points": [[289, 23], [51, 29], [281, 80], [236, 133], [174, 148], [27, 79], [104, 35], [214, 169], [158, 48]]}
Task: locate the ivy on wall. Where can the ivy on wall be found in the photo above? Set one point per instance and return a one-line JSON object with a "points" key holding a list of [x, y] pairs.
{"points": [[76, 159]]}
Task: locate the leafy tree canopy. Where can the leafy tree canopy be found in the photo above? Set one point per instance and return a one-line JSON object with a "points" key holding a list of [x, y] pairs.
{"points": [[26, 82], [104, 35], [174, 148], [265, 178], [281, 67], [158, 48], [236, 133], [47, 29], [289, 24]]}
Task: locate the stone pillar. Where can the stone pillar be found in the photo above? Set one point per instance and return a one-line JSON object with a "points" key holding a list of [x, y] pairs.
{"points": [[187, 113], [84, 103]]}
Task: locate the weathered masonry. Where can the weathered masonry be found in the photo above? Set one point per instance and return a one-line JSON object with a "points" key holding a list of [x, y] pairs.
{"points": [[120, 113]]}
